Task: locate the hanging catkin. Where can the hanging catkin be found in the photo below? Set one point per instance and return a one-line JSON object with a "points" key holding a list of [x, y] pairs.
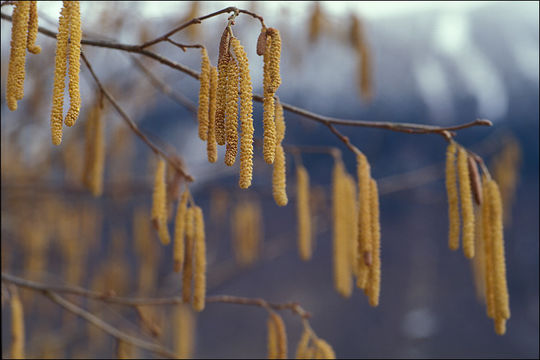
{"points": [[324, 350], [33, 29], [17, 57], [341, 248], [187, 273], [223, 61], [479, 260], [246, 120], [231, 112], [184, 334], [476, 182], [211, 146], [17, 326], [204, 95], [97, 165], [467, 211], [179, 231], [303, 213], [364, 221], [159, 205], [199, 279], [487, 232], [75, 37], [277, 337], [279, 177], [275, 56], [452, 192], [352, 222], [59, 75], [502, 307], [303, 345], [374, 281]]}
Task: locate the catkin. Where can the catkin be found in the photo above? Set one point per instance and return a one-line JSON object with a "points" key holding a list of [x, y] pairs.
{"points": [[279, 177], [17, 57], [269, 128], [280, 122], [303, 213], [33, 29], [204, 95], [479, 261], [199, 278], [97, 166], [277, 337], [231, 111], [59, 75], [452, 192], [17, 326], [246, 119], [324, 350], [159, 205], [275, 56], [179, 231], [374, 282], [502, 307], [211, 147], [342, 271], [75, 38], [223, 61], [487, 233], [364, 221], [302, 347], [187, 273], [467, 211], [184, 341], [476, 182]]}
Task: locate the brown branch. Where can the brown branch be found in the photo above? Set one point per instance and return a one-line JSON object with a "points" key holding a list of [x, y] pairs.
{"points": [[184, 46], [132, 124]]}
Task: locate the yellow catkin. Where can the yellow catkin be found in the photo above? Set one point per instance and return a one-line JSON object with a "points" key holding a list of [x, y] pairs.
{"points": [[303, 213], [187, 273], [231, 112], [324, 350], [17, 326], [75, 38], [352, 222], [502, 307], [269, 128], [279, 177], [452, 193], [271, 81], [275, 57], [17, 57], [246, 232], [364, 220], [184, 341], [246, 119], [33, 29], [89, 136], [223, 60], [159, 205], [277, 337], [204, 95], [302, 347], [97, 165], [179, 231], [59, 75], [487, 233], [199, 279], [479, 261], [374, 282], [211, 146], [280, 122], [467, 211], [123, 350], [342, 271]]}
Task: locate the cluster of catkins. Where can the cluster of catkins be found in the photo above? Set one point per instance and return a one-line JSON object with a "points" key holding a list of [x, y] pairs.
{"points": [[223, 87], [482, 234]]}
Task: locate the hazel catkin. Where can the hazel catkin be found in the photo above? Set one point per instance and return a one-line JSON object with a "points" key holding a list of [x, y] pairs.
{"points": [[374, 281], [187, 272], [33, 29], [364, 220], [199, 279], [223, 62], [211, 146], [204, 95], [179, 232], [246, 119], [279, 177], [277, 337], [159, 204], [17, 326], [452, 193], [303, 213], [17, 57], [231, 111], [74, 47], [487, 233], [467, 211]]}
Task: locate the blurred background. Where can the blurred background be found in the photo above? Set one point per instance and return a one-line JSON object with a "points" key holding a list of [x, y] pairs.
{"points": [[438, 63]]}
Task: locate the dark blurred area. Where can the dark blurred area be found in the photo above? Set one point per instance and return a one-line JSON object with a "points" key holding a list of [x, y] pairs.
{"points": [[438, 66]]}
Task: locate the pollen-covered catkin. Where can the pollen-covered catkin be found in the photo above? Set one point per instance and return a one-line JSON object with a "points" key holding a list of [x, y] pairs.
{"points": [[279, 177], [303, 213], [17, 57], [364, 220], [277, 337], [246, 119], [487, 233], [159, 205], [374, 281], [324, 350], [351, 220], [453, 200], [59, 75], [199, 279], [271, 81], [341, 248], [476, 182], [467, 211], [231, 112], [223, 60], [269, 126], [75, 37], [303, 345], [275, 57], [179, 231], [17, 326], [204, 95], [211, 146], [502, 307], [187, 272], [184, 334], [33, 29], [97, 166]]}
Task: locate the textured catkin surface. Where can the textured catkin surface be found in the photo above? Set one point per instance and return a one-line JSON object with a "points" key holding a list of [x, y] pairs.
{"points": [[204, 95], [33, 29], [452, 193], [199, 279], [179, 232], [75, 37], [159, 203], [303, 213], [231, 125], [374, 280], [364, 220], [467, 211], [17, 58], [211, 146]]}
